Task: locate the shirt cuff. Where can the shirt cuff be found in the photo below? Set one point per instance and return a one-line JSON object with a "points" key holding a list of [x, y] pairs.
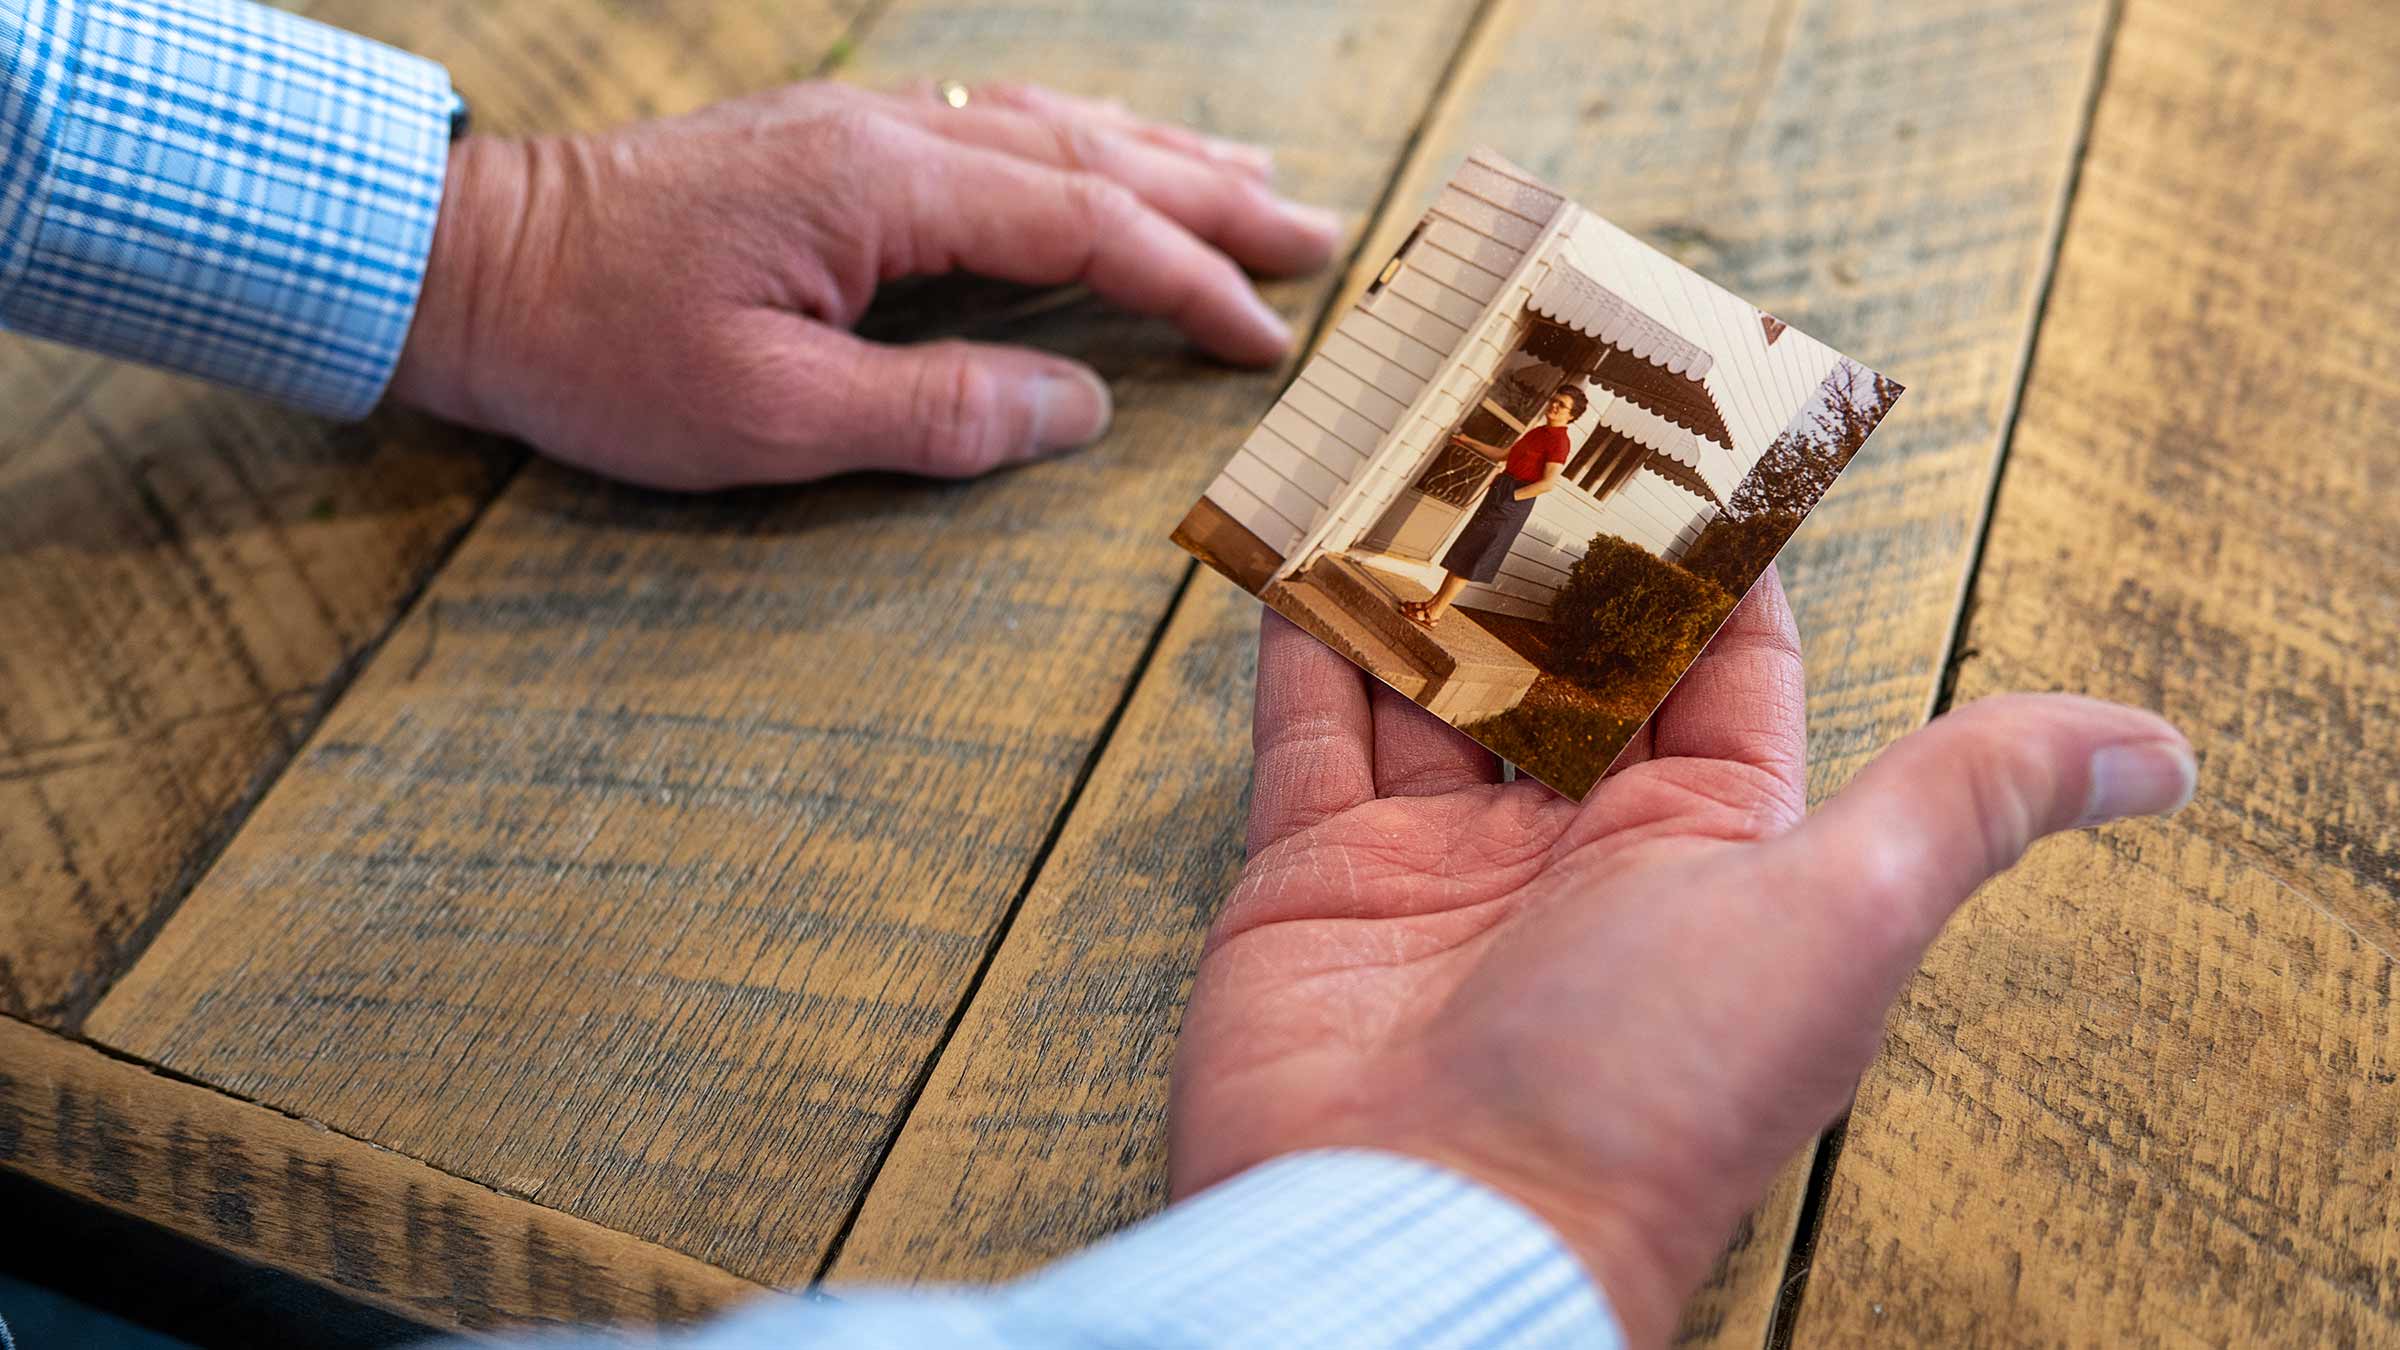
{"points": [[1338, 1248], [218, 188]]}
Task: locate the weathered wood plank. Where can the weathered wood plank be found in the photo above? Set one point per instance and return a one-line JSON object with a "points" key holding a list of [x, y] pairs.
{"points": [[1891, 181], [1044, 1125], [376, 1226], [186, 575], [645, 868], [183, 575], [2142, 1094]]}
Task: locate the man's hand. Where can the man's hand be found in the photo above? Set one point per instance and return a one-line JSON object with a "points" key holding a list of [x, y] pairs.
{"points": [[667, 303], [1625, 1014]]}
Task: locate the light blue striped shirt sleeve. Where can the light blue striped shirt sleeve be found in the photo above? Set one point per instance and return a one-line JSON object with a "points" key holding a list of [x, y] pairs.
{"points": [[218, 188], [1345, 1249]]}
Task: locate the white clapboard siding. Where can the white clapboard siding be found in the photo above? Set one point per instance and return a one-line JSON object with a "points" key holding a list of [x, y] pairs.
{"points": [[1287, 427], [1495, 256], [1373, 334], [1648, 510], [1455, 273], [1319, 482], [1759, 386], [1348, 426], [1273, 529], [1413, 319], [1561, 527], [1548, 571], [1352, 357], [1360, 414], [1487, 219], [1329, 377], [1494, 180], [1480, 596], [1652, 510], [1287, 498], [1458, 307]]}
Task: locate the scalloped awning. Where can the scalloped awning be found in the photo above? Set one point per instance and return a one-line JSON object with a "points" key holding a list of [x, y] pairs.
{"points": [[1669, 373], [1594, 310]]}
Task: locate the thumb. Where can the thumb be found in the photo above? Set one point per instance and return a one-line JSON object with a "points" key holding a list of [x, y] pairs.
{"points": [[952, 408], [1960, 800]]}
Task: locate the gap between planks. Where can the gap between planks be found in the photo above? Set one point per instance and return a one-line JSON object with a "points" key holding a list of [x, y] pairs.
{"points": [[1790, 1292], [213, 844], [1336, 301], [119, 1148], [1994, 404], [1007, 922], [338, 682]]}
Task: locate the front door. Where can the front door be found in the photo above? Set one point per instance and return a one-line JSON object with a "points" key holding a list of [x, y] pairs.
{"points": [[1421, 519], [1430, 509]]}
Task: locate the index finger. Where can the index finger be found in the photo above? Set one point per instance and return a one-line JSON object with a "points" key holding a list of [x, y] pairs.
{"points": [[1254, 160], [1229, 209], [949, 205], [1314, 733]]}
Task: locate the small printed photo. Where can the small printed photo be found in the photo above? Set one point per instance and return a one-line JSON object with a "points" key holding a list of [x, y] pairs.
{"points": [[1532, 470]]}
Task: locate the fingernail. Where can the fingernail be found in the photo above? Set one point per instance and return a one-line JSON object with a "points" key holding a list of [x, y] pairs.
{"points": [[2148, 778], [1275, 334], [1256, 158], [1071, 407], [1317, 220]]}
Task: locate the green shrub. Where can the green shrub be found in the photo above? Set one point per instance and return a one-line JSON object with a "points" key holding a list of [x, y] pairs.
{"points": [[1733, 552], [1566, 746], [1628, 621]]}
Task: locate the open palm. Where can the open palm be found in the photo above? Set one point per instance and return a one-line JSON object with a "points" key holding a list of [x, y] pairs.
{"points": [[1625, 1013]]}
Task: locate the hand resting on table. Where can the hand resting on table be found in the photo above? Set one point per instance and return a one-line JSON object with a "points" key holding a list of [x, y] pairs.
{"points": [[667, 302]]}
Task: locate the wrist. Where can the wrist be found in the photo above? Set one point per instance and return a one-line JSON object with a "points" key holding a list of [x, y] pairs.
{"points": [[1619, 1246], [481, 243]]}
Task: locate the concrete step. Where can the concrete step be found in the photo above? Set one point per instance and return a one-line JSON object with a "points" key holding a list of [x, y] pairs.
{"points": [[1330, 622], [1372, 599], [1465, 699], [1474, 653]]}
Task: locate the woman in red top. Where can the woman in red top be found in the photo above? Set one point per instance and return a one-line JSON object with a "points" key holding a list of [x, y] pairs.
{"points": [[1532, 466]]}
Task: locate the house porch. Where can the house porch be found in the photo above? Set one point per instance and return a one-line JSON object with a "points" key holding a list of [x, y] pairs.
{"points": [[1457, 669]]}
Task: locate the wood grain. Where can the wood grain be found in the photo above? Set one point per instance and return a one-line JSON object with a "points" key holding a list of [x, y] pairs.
{"points": [[1044, 1125], [370, 1223], [1888, 180], [2143, 1092], [184, 575], [187, 575], [646, 867]]}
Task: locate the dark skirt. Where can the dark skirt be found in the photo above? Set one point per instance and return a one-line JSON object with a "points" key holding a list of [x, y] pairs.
{"points": [[1490, 533]]}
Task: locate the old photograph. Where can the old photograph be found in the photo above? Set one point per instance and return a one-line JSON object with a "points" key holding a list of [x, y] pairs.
{"points": [[1530, 472]]}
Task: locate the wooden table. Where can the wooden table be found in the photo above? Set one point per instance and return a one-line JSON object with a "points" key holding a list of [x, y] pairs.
{"points": [[499, 895]]}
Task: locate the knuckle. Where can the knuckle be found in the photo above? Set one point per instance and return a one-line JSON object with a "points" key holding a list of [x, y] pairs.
{"points": [[957, 410], [852, 138], [1101, 206], [1078, 147], [1997, 772]]}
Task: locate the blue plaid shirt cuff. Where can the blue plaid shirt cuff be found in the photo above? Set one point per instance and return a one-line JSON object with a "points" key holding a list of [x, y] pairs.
{"points": [[218, 188], [1342, 1249], [1335, 1248]]}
